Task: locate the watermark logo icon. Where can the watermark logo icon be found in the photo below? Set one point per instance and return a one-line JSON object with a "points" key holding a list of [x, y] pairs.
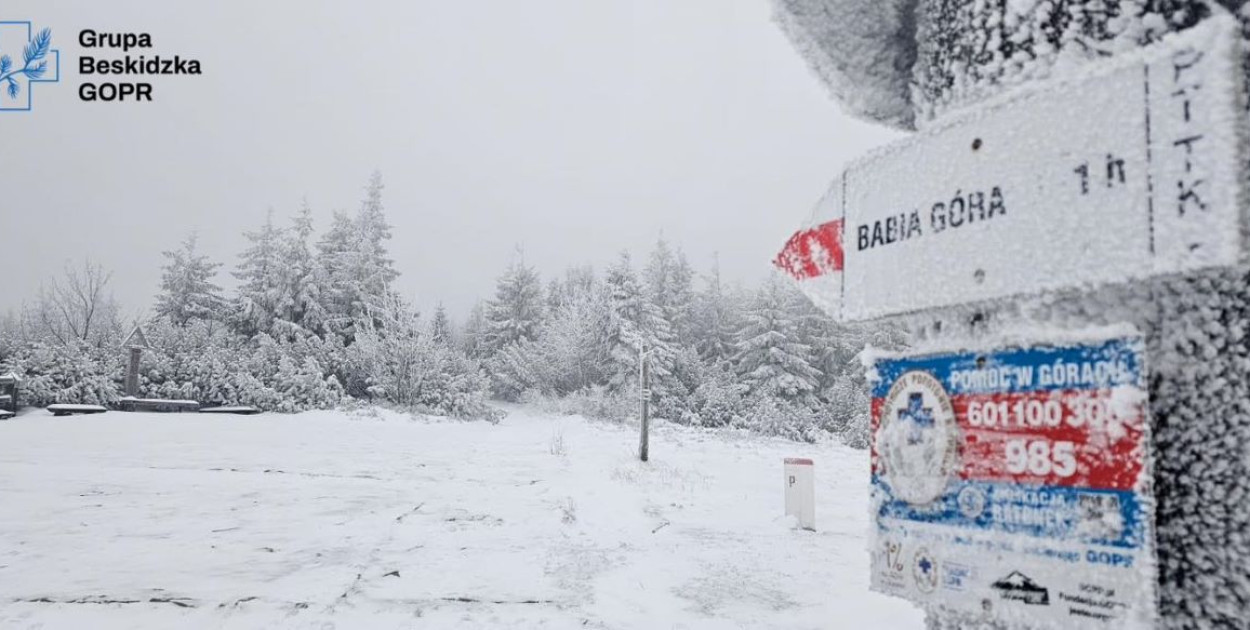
{"points": [[37, 63]]}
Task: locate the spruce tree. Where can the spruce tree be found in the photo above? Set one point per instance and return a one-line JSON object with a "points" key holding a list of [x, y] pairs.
{"points": [[717, 320], [301, 303], [771, 358], [371, 270], [572, 337], [473, 335], [355, 267], [516, 311], [556, 295], [670, 287], [331, 263], [261, 273], [634, 324], [440, 326], [187, 289]]}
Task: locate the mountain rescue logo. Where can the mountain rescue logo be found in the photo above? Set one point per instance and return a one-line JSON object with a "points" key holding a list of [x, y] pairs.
{"points": [[1021, 588], [38, 62], [918, 439], [924, 571]]}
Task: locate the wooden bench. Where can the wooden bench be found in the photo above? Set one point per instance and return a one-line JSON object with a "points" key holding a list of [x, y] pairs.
{"points": [[158, 405], [69, 410], [239, 410]]}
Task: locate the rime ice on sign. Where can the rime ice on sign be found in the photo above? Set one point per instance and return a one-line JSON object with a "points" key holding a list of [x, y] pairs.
{"points": [[1132, 171], [1014, 484]]}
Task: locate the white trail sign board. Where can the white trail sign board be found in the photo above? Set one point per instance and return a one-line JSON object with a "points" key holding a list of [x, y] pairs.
{"points": [[1132, 170]]}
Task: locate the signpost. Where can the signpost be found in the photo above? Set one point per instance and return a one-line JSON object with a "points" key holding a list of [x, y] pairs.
{"points": [[644, 399], [1014, 484], [136, 342], [1005, 497], [1134, 171]]}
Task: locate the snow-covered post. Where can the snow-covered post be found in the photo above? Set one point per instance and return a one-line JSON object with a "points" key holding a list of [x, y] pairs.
{"points": [[644, 395], [1170, 114]]}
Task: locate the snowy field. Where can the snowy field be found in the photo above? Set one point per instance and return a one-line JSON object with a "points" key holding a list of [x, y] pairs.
{"points": [[336, 520]]}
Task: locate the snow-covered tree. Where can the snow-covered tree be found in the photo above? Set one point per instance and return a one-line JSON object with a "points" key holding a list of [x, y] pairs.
{"points": [[473, 334], [573, 337], [440, 326], [670, 287], [578, 284], [516, 311], [187, 288], [75, 373], [370, 269], [771, 358], [389, 342], [555, 295], [633, 323], [354, 269], [519, 367], [74, 308], [717, 321], [333, 248], [262, 273], [301, 303], [404, 366], [12, 336]]}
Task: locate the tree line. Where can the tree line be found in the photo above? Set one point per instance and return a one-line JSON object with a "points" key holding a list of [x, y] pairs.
{"points": [[315, 322], [760, 358]]}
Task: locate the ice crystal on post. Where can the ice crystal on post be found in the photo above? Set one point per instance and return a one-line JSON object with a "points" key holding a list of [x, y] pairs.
{"points": [[904, 63], [863, 51]]}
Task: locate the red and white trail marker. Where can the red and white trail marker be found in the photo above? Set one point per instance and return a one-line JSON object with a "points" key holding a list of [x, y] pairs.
{"points": [[1020, 197], [800, 481]]}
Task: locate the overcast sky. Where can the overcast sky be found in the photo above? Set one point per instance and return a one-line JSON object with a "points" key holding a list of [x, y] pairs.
{"points": [[571, 128]]}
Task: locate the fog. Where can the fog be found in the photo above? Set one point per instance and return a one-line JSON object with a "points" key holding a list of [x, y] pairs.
{"points": [[566, 130]]}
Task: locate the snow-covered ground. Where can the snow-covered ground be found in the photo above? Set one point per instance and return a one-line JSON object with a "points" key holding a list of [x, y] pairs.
{"points": [[330, 519]]}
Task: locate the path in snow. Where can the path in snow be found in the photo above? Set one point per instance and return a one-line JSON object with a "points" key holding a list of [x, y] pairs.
{"points": [[327, 520]]}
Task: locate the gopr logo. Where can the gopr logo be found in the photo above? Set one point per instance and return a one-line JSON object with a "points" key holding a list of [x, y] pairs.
{"points": [[918, 439], [38, 62]]}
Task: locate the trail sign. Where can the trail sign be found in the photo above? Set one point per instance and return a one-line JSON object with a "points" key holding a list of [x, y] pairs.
{"points": [[1014, 484], [137, 339], [1131, 170]]}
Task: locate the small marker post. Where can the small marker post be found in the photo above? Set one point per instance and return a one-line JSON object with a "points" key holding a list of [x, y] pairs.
{"points": [[800, 491]]}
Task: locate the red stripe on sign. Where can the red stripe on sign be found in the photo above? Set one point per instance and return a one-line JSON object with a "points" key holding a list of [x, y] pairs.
{"points": [[814, 252], [990, 456], [874, 423], [798, 461], [1075, 438]]}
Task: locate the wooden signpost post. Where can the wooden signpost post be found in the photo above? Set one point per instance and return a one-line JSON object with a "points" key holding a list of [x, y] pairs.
{"points": [[644, 400], [136, 342], [1065, 446]]}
